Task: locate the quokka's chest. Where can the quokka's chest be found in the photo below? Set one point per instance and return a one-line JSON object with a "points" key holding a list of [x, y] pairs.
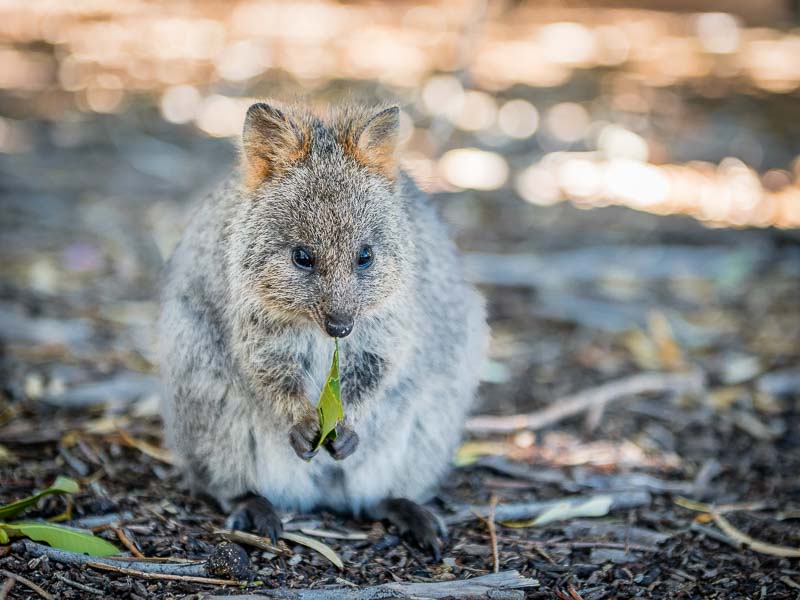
{"points": [[361, 374]]}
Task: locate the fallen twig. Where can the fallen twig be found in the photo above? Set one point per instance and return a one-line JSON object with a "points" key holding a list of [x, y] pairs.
{"points": [[580, 545], [530, 510], [196, 569], [5, 590], [506, 585], [250, 539], [80, 586], [570, 406], [752, 543], [734, 535], [157, 559], [128, 543], [790, 582], [27, 583], [719, 508], [160, 454], [150, 575], [489, 521], [574, 593]]}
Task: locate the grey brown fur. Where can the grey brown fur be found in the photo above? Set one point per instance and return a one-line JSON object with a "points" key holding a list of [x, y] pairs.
{"points": [[243, 347]]}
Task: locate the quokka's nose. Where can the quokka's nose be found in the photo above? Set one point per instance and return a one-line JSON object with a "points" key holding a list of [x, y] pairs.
{"points": [[338, 325]]}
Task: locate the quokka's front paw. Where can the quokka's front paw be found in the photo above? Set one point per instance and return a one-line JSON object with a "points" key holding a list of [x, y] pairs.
{"points": [[303, 436], [345, 443]]}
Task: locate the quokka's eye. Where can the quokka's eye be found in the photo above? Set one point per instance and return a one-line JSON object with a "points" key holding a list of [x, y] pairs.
{"points": [[365, 257], [302, 259]]}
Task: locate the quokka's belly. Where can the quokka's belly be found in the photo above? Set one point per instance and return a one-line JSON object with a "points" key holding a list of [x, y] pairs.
{"points": [[376, 470]]}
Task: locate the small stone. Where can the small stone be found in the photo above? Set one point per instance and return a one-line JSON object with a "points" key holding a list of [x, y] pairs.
{"points": [[229, 561]]}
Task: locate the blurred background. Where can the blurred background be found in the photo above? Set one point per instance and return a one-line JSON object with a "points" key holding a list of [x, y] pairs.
{"points": [[624, 178]]}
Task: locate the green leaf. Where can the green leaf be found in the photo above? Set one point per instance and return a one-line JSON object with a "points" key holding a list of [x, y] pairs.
{"points": [[63, 538], [3, 537], [563, 511], [329, 407], [62, 485]]}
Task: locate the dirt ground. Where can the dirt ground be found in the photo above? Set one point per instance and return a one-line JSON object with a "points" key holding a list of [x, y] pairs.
{"points": [[577, 299]]}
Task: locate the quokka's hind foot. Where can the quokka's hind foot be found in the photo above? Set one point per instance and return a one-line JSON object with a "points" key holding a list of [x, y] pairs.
{"points": [[255, 513], [414, 522]]}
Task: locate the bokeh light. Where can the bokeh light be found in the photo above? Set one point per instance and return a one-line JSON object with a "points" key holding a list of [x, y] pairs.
{"points": [[473, 168], [518, 118], [472, 87]]}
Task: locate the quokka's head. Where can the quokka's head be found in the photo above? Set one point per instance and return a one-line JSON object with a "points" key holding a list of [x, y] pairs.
{"points": [[322, 232]]}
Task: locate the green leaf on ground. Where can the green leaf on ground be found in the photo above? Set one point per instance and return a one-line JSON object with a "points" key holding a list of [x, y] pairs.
{"points": [[62, 485], [329, 407], [63, 538], [564, 511]]}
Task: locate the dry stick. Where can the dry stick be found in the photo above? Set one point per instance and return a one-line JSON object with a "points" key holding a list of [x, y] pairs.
{"points": [[128, 543], [592, 544], [160, 454], [159, 559], [524, 511], [754, 544], [6, 589], [790, 582], [27, 582], [574, 593], [505, 585], [570, 406], [489, 521], [242, 537], [720, 508], [80, 586], [146, 575], [197, 569], [493, 533]]}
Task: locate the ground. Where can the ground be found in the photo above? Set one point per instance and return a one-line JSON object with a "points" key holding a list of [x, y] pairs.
{"points": [[578, 298]]}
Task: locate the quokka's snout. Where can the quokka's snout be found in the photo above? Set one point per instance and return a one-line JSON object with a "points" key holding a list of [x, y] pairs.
{"points": [[339, 325]]}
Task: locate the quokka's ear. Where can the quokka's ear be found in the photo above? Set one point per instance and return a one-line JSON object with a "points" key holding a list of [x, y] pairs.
{"points": [[376, 141], [271, 141]]}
